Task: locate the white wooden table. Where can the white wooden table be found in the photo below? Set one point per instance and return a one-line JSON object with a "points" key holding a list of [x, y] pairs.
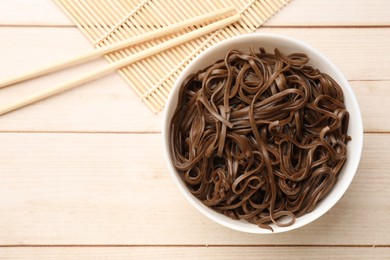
{"points": [[82, 175]]}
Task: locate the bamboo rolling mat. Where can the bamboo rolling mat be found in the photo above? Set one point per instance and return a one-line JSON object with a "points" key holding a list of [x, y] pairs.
{"points": [[106, 22]]}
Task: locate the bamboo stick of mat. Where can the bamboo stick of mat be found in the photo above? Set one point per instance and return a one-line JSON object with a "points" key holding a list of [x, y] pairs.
{"points": [[117, 46], [119, 64]]}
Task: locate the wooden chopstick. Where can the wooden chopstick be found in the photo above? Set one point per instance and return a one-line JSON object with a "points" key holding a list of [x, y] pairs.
{"points": [[117, 46], [119, 64]]}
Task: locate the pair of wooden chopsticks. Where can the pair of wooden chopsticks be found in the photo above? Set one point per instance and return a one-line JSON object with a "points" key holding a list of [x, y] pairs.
{"points": [[123, 62]]}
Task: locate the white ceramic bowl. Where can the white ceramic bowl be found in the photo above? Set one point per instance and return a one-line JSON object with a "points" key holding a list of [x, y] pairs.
{"points": [[287, 45]]}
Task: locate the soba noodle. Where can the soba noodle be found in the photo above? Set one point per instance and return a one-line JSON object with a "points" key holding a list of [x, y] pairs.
{"points": [[260, 136]]}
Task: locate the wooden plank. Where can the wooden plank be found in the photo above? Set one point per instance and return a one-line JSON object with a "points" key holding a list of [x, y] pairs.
{"points": [[82, 109], [115, 189], [25, 49], [32, 13], [297, 12], [109, 105], [211, 253], [373, 98], [333, 13], [122, 108]]}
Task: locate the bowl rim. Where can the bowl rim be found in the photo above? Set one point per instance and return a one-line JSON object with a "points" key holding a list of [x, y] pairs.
{"points": [[310, 217]]}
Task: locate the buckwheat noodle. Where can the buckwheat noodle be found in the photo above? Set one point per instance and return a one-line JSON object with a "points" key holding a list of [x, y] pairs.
{"points": [[260, 136]]}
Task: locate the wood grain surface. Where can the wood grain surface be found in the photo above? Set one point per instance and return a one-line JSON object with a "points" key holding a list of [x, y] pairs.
{"points": [[82, 175]]}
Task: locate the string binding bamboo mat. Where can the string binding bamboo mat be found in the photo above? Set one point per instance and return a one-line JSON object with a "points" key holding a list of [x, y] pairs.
{"points": [[106, 22]]}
